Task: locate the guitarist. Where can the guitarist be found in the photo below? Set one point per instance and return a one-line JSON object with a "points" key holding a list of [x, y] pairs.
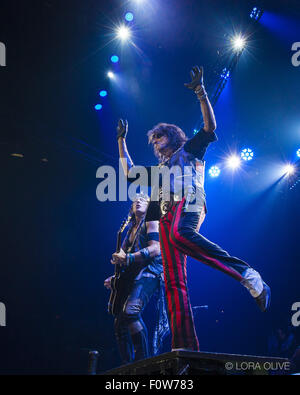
{"points": [[141, 258]]}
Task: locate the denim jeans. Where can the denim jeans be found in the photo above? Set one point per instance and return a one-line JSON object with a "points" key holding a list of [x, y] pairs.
{"points": [[130, 330]]}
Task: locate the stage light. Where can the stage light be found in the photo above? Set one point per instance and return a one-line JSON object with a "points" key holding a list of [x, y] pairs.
{"points": [[114, 59], [238, 43], [256, 13], [214, 171], [129, 16], [288, 169], [225, 74], [247, 154], [98, 107], [110, 75], [103, 93], [233, 162], [123, 33], [298, 153], [17, 155]]}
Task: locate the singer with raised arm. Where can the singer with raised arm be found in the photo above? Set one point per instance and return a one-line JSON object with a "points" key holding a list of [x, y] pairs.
{"points": [[182, 215]]}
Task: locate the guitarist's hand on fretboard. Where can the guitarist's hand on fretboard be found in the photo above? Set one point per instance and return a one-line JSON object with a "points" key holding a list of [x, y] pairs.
{"points": [[119, 258]]}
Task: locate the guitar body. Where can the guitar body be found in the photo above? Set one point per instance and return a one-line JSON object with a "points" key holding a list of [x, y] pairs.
{"points": [[114, 303], [121, 285], [123, 279]]}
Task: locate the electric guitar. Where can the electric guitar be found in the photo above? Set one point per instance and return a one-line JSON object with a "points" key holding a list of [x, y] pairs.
{"points": [[118, 285]]}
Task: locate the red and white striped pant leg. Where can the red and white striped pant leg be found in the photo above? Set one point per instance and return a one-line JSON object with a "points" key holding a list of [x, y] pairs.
{"points": [[185, 237], [180, 311]]}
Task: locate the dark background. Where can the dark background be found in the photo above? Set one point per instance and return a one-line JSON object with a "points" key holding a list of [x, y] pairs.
{"points": [[57, 238]]}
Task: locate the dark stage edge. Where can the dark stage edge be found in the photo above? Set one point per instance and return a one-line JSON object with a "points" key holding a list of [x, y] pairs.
{"points": [[204, 363]]}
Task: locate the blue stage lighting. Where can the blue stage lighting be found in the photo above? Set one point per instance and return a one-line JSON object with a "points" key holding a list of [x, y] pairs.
{"points": [[103, 93], [114, 59], [98, 107], [247, 154], [298, 153], [225, 74], [129, 16], [256, 13], [214, 171]]}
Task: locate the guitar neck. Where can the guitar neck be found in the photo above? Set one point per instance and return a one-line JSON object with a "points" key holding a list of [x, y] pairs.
{"points": [[119, 238], [118, 247]]}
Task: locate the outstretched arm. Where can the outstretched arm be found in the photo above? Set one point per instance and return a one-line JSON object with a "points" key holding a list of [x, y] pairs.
{"points": [[197, 85], [122, 131]]}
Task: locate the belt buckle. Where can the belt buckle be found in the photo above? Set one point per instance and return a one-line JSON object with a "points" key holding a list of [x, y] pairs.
{"points": [[164, 207]]}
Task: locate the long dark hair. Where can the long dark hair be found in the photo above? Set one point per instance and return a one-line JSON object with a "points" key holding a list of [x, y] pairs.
{"points": [[175, 135], [132, 222]]}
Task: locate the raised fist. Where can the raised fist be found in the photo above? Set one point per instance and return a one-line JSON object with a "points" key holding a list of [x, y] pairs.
{"points": [[122, 128], [197, 78]]}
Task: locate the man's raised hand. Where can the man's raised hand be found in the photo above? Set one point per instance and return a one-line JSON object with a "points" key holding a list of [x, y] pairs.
{"points": [[196, 77], [122, 128]]}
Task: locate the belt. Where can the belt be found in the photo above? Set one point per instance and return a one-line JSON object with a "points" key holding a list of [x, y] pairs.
{"points": [[166, 205]]}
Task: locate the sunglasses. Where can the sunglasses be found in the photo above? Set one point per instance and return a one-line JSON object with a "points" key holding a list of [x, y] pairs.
{"points": [[157, 135]]}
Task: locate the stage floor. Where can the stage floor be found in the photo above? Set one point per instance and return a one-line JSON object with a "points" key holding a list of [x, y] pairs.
{"points": [[182, 362]]}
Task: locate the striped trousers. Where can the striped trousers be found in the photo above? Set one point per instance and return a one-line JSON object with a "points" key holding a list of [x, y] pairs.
{"points": [[179, 237]]}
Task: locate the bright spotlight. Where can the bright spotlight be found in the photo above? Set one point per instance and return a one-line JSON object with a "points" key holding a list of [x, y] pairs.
{"points": [[110, 75], [103, 93], [298, 153], [129, 16], [238, 43], [114, 59], [233, 162], [247, 154], [288, 169], [123, 33], [98, 107], [214, 171]]}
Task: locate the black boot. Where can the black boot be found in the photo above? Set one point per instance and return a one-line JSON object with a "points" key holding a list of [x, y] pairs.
{"points": [[125, 348], [140, 344], [123, 340]]}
